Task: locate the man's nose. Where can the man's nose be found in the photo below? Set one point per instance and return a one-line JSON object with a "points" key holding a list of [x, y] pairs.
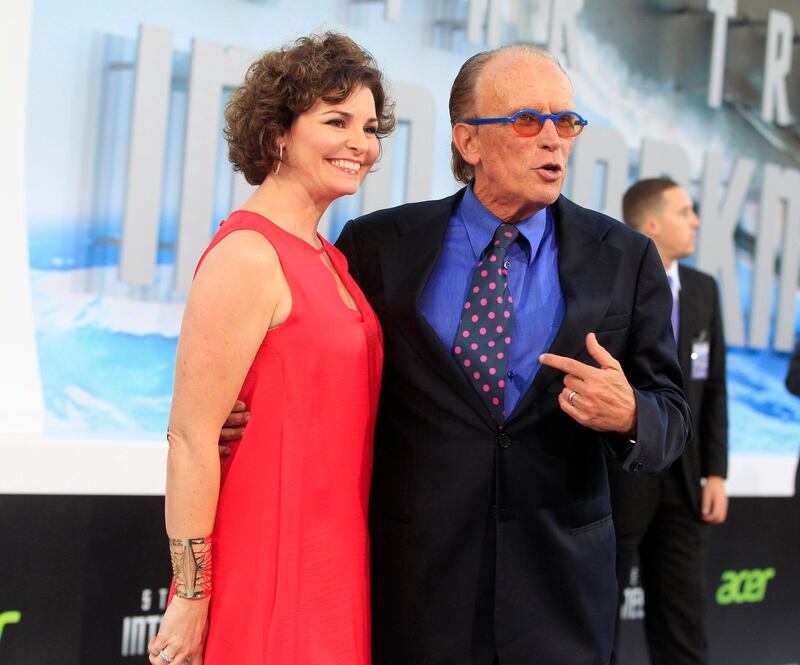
{"points": [[548, 136]]}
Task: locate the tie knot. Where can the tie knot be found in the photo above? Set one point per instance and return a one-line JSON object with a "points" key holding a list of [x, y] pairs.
{"points": [[505, 236]]}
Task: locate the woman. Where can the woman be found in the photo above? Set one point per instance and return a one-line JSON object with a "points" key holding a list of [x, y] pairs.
{"points": [[274, 319]]}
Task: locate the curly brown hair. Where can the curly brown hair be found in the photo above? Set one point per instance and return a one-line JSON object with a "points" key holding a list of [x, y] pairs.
{"points": [[282, 84]]}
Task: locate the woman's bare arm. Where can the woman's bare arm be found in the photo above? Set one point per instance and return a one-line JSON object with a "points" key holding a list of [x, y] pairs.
{"points": [[238, 293]]}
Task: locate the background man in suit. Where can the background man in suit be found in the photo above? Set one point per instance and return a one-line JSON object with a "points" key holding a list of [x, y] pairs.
{"points": [[793, 372], [490, 519], [793, 386], [665, 518]]}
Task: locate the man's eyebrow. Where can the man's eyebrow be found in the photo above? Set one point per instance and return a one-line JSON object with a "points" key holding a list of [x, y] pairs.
{"points": [[516, 109]]}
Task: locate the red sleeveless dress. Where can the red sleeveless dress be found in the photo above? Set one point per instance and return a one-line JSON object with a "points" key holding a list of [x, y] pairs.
{"points": [[291, 551]]}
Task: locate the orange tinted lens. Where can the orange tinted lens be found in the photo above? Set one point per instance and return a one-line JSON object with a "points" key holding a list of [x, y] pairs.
{"points": [[569, 125], [527, 124]]}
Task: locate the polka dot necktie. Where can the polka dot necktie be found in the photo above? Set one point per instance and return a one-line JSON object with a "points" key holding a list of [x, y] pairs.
{"points": [[484, 333]]}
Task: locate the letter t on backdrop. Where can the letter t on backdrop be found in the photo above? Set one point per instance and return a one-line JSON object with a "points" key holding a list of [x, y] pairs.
{"points": [[723, 10]]}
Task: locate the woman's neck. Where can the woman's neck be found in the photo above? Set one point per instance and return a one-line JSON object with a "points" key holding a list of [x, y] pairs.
{"points": [[288, 205]]}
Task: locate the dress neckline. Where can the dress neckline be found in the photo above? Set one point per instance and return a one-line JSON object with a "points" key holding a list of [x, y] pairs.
{"points": [[316, 250]]}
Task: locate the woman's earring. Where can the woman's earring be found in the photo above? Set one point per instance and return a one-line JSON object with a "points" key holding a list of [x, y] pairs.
{"points": [[280, 161]]}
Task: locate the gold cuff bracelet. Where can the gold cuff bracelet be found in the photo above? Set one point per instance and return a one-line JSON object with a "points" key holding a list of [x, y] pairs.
{"points": [[191, 566]]}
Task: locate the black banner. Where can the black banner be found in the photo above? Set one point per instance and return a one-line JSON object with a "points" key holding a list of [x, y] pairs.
{"points": [[753, 589], [84, 578]]}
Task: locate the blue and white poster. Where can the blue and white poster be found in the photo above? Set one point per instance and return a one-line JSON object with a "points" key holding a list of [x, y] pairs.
{"points": [[114, 175], [107, 173]]}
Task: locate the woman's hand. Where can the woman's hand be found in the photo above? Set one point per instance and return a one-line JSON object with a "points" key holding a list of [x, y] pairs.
{"points": [[182, 635]]}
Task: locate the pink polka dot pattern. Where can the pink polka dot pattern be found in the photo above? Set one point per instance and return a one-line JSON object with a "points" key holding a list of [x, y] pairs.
{"points": [[487, 318]]}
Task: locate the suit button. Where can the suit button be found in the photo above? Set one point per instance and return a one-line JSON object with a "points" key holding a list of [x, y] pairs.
{"points": [[636, 465], [504, 441]]}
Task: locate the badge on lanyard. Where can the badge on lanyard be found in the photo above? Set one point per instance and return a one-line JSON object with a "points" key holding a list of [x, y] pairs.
{"points": [[701, 350]]}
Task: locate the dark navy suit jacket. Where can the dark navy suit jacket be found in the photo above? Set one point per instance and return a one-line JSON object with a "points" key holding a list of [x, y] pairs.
{"points": [[486, 542]]}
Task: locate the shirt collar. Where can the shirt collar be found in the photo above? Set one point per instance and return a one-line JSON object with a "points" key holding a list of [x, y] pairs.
{"points": [[481, 224], [674, 278]]}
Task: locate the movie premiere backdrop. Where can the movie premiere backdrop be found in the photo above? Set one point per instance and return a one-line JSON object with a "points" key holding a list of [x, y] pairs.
{"points": [[113, 176]]}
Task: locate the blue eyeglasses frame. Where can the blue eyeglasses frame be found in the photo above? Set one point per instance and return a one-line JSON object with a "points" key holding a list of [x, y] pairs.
{"points": [[543, 117]]}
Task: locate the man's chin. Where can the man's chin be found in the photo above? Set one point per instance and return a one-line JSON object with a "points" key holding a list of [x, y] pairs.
{"points": [[555, 198], [546, 195]]}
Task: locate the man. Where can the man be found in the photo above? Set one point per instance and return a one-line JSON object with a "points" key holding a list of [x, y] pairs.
{"points": [[665, 519], [793, 386], [490, 519], [793, 372]]}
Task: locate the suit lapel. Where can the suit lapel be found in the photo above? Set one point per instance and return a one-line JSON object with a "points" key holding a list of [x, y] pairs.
{"points": [[406, 269], [587, 272]]}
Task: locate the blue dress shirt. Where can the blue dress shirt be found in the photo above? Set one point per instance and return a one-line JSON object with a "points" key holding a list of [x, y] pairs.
{"points": [[532, 264]]}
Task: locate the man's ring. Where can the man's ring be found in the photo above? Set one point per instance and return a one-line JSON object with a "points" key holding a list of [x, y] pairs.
{"points": [[571, 397], [163, 655]]}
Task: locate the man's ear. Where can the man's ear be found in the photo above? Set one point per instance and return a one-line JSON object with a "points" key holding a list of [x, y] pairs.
{"points": [[651, 226], [465, 139]]}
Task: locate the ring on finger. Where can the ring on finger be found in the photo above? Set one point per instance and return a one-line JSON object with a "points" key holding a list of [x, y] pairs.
{"points": [[163, 655], [571, 397]]}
